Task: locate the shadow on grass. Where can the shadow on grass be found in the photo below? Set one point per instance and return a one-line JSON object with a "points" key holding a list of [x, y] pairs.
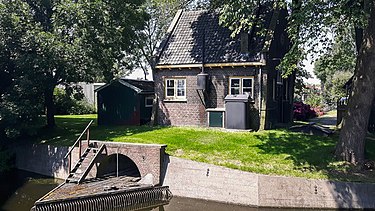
{"points": [[305, 151], [315, 153], [68, 130]]}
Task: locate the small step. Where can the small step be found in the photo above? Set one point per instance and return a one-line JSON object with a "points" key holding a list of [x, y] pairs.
{"points": [[70, 180], [85, 162]]}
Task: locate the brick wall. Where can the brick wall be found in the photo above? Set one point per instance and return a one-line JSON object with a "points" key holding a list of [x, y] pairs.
{"points": [[192, 111], [147, 157]]}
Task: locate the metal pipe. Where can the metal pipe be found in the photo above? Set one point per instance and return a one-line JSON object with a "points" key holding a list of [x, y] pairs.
{"points": [[117, 162]]}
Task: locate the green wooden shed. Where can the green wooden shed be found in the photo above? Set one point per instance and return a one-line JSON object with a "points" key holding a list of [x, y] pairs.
{"points": [[125, 102]]}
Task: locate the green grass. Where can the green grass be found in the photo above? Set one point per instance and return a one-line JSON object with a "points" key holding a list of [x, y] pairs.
{"points": [[274, 152]]}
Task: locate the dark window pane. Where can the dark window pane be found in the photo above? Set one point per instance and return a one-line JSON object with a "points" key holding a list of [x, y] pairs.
{"points": [[170, 92], [180, 83], [235, 83], [247, 83], [170, 83], [235, 91], [180, 92], [149, 101]]}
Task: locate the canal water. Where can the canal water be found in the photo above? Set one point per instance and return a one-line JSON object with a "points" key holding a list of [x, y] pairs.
{"points": [[20, 189]]}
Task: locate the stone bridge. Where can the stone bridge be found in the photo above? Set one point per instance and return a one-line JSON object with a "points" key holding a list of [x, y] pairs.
{"points": [[49, 160], [131, 159]]}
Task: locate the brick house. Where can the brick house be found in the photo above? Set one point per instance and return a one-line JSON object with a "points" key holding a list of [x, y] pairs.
{"points": [[199, 64]]}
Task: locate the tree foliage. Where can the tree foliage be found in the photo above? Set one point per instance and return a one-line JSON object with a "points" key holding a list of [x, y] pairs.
{"points": [[310, 21], [161, 13], [46, 43], [335, 67]]}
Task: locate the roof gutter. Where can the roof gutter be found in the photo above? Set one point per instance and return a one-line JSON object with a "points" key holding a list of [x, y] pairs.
{"points": [[212, 65]]}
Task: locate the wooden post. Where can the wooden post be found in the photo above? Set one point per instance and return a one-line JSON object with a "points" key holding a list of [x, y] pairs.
{"points": [[69, 163], [88, 137], [80, 149]]}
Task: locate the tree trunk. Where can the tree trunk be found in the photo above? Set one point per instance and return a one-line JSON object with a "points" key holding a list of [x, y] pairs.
{"points": [[50, 107], [351, 145]]}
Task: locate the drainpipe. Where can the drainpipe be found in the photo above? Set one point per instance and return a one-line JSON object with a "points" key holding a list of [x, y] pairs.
{"points": [[202, 76]]}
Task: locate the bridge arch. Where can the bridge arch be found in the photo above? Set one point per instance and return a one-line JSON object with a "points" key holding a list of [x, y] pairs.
{"points": [[113, 162], [146, 158]]}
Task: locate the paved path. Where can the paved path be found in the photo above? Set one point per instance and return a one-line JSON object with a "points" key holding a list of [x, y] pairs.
{"points": [[327, 120]]}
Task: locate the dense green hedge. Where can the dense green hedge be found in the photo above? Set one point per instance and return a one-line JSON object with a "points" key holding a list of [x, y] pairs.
{"points": [[71, 103]]}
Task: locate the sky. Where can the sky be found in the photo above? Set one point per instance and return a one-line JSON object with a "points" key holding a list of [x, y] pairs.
{"points": [[310, 68]]}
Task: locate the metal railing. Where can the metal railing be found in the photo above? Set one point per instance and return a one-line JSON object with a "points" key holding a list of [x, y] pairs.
{"points": [[79, 142]]}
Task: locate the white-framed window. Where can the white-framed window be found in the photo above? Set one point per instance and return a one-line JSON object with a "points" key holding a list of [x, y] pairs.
{"points": [[149, 101], [241, 85], [175, 88]]}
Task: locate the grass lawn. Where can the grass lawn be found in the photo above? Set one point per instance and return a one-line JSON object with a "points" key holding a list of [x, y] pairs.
{"points": [[274, 152]]}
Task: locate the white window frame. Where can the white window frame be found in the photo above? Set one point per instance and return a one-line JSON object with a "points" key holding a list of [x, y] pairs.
{"points": [[175, 89], [241, 84], [149, 98]]}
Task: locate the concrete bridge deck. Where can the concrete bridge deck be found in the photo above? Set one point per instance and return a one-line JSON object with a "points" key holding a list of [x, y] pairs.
{"points": [[93, 187]]}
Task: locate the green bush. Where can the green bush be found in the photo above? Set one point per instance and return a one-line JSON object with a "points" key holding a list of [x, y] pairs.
{"points": [[70, 102], [81, 107]]}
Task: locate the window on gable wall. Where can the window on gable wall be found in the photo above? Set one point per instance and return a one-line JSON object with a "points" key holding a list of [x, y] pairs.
{"points": [[149, 101], [241, 85], [175, 88]]}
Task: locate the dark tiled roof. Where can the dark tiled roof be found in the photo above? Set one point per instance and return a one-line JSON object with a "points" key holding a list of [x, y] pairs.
{"points": [[142, 86], [185, 43], [139, 86]]}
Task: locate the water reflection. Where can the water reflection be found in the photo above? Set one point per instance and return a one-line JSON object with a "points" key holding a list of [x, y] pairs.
{"points": [[20, 189]]}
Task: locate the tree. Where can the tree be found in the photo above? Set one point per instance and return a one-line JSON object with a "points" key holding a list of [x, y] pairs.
{"points": [[351, 146], [62, 42], [300, 86], [310, 22], [335, 67], [20, 99], [161, 13]]}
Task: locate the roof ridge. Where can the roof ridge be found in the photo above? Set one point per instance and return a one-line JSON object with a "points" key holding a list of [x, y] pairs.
{"points": [[132, 79], [184, 43], [166, 38]]}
